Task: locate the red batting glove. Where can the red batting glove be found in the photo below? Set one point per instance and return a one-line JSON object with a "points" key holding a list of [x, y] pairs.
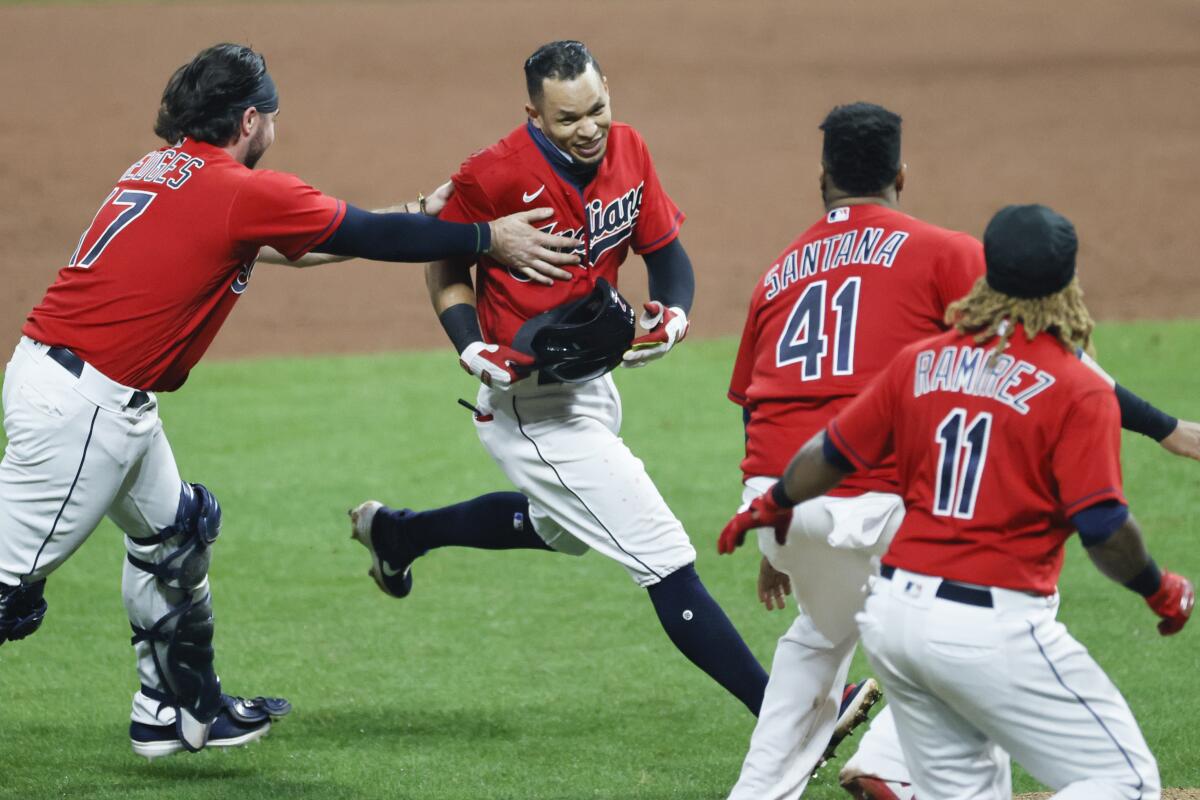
{"points": [[494, 364], [1173, 602], [763, 512]]}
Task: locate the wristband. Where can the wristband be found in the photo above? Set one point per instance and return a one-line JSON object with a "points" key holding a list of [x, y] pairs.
{"points": [[1146, 582], [461, 324], [483, 238], [780, 496]]}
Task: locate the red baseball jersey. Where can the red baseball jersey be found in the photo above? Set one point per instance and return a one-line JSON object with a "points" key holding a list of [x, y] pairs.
{"points": [[624, 206], [993, 460], [831, 313], [169, 252]]}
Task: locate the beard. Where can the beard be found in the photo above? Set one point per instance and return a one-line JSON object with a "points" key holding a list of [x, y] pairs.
{"points": [[258, 146]]}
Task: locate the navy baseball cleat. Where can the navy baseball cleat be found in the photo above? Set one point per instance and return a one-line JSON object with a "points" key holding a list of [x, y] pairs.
{"points": [[239, 722], [391, 560], [857, 700]]}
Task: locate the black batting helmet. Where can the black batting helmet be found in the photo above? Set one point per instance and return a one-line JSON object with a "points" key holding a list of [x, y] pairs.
{"points": [[580, 340]]}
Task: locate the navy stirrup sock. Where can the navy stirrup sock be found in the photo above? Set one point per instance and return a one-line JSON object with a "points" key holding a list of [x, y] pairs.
{"points": [[496, 521], [702, 632]]}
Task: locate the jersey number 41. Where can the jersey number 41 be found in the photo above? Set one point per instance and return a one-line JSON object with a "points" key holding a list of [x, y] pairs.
{"points": [[805, 341]]}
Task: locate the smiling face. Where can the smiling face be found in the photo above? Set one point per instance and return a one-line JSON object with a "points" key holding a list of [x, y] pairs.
{"points": [[575, 115]]}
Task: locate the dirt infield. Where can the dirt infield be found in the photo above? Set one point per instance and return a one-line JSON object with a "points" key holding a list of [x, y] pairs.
{"points": [[1088, 105]]}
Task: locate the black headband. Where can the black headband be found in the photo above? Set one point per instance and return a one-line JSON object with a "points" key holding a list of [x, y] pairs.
{"points": [[265, 96]]}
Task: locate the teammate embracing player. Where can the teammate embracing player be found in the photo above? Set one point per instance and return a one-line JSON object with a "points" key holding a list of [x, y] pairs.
{"points": [[1004, 444], [149, 284], [581, 487], [833, 311]]}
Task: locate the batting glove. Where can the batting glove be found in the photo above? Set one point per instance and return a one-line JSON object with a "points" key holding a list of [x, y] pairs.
{"points": [[763, 512], [1173, 602], [666, 326], [495, 365]]}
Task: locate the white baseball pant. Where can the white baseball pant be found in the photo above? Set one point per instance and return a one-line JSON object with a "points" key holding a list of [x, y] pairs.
{"points": [[832, 546], [962, 679], [560, 445], [77, 450]]}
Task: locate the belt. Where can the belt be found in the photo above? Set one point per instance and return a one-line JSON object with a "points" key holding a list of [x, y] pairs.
{"points": [[949, 590], [74, 365]]}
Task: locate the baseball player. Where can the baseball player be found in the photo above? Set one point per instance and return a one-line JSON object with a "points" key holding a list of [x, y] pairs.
{"points": [[835, 308], [143, 293], [1004, 443], [581, 487]]}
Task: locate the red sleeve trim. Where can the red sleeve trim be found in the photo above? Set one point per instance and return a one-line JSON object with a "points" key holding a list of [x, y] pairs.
{"points": [[663, 240], [338, 215], [1098, 496], [839, 441], [738, 398]]}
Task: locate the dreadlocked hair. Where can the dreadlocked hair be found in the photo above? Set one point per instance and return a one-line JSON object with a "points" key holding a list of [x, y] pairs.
{"points": [[988, 313]]}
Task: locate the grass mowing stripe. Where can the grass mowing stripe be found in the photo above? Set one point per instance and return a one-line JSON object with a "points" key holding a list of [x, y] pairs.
{"points": [[504, 675]]}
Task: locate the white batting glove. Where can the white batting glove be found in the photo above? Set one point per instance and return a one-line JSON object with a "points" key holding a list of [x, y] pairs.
{"points": [[666, 326], [495, 365]]}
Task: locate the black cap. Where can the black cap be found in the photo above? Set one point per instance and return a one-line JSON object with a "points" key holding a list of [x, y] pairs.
{"points": [[1030, 251]]}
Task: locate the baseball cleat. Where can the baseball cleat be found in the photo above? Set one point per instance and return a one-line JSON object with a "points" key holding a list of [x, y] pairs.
{"points": [[392, 572], [868, 787], [239, 722], [857, 700]]}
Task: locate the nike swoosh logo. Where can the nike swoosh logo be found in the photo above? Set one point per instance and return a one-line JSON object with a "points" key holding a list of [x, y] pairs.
{"points": [[388, 571], [529, 198]]}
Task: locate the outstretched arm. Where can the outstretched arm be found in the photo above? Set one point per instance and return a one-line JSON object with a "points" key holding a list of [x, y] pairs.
{"points": [[1114, 543], [814, 470], [430, 206], [1178, 436], [513, 240]]}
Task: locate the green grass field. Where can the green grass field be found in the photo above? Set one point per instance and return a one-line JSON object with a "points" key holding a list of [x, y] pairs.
{"points": [[505, 675]]}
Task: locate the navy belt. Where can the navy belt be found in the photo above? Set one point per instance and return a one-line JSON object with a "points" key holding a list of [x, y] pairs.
{"points": [[949, 590], [74, 365]]}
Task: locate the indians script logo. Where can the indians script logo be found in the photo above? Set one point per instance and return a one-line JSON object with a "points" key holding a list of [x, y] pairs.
{"points": [[608, 226]]}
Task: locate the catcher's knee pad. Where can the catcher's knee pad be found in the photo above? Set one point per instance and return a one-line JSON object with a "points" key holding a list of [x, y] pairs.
{"points": [[181, 648], [189, 539], [22, 609]]}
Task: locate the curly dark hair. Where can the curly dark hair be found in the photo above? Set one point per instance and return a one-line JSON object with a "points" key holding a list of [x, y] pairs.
{"points": [[202, 98], [862, 148], [561, 61]]}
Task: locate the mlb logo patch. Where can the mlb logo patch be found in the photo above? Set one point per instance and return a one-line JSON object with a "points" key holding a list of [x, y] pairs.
{"points": [[841, 214]]}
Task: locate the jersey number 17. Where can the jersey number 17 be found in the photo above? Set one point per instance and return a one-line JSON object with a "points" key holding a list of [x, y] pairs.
{"points": [[121, 207]]}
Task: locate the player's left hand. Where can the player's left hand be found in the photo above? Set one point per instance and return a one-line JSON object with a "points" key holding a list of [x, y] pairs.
{"points": [[1173, 602], [666, 326], [1184, 440], [763, 512], [773, 586]]}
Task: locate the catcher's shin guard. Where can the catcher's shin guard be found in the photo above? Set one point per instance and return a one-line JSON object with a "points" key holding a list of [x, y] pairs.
{"points": [[196, 527], [181, 640], [181, 646], [22, 609]]}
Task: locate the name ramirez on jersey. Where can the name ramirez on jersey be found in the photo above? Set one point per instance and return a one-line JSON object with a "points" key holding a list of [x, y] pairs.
{"points": [[1011, 381]]}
